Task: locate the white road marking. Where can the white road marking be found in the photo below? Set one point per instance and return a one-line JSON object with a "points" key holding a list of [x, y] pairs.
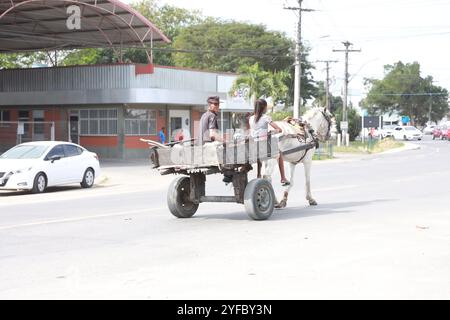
{"points": [[44, 222]]}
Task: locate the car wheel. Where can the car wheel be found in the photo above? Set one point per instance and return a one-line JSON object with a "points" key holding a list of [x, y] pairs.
{"points": [[88, 178], [434, 137], [40, 183], [404, 138]]}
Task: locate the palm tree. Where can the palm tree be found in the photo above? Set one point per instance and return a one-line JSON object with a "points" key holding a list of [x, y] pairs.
{"points": [[262, 84]]}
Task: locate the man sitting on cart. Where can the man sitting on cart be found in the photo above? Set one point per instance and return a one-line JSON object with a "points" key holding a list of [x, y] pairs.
{"points": [[209, 127]]}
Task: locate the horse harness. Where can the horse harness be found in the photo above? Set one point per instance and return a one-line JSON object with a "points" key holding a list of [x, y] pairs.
{"points": [[304, 145]]}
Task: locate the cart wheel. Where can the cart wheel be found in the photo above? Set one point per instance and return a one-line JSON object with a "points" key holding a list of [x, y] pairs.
{"points": [[259, 199], [178, 198]]}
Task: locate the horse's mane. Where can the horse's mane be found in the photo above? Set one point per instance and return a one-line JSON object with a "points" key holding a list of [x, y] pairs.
{"points": [[311, 113]]}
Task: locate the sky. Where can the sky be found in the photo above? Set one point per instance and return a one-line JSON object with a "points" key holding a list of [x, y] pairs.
{"points": [[386, 31]]}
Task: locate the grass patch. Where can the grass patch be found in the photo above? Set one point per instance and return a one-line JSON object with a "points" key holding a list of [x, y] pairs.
{"points": [[321, 157], [370, 147]]}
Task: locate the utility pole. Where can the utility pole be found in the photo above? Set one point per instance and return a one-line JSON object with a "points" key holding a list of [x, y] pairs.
{"points": [[298, 58], [345, 115], [431, 106], [327, 87]]}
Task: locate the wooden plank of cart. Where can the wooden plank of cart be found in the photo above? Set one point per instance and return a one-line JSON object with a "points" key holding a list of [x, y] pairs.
{"points": [[233, 159]]}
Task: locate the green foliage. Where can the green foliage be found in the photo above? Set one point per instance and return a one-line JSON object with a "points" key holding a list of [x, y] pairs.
{"points": [[82, 57], [404, 91], [171, 21], [263, 84], [231, 45], [18, 60], [281, 115], [374, 146], [336, 103], [354, 121]]}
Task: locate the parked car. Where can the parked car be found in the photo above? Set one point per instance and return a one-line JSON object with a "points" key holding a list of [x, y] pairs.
{"points": [[437, 133], [407, 133], [429, 129], [35, 166], [387, 131]]}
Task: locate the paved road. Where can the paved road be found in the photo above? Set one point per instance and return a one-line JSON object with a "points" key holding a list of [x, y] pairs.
{"points": [[381, 231]]}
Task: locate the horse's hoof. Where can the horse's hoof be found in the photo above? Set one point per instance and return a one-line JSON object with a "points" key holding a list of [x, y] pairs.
{"points": [[281, 205], [312, 202]]}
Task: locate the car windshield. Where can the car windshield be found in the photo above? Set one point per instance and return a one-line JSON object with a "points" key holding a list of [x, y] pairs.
{"points": [[24, 152], [410, 128]]}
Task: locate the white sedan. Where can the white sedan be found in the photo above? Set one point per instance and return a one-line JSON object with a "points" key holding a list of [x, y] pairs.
{"points": [[407, 133], [35, 166]]}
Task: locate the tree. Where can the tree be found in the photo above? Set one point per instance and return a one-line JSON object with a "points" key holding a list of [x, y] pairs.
{"points": [[169, 19], [231, 46], [263, 84], [337, 107], [82, 57], [354, 121], [17, 60], [404, 91], [227, 46]]}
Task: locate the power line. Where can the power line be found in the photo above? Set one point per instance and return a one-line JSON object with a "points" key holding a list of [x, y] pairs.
{"points": [[409, 94]]}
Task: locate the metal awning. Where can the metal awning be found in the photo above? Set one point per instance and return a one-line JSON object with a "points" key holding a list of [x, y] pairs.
{"points": [[33, 25]]}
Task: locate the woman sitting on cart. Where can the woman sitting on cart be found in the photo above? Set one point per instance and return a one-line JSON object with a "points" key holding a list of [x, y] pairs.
{"points": [[259, 127]]}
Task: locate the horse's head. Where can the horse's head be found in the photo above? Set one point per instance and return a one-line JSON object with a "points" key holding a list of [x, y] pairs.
{"points": [[322, 121]]}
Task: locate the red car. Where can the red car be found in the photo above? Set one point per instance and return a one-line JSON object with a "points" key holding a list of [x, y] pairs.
{"points": [[445, 133], [437, 133]]}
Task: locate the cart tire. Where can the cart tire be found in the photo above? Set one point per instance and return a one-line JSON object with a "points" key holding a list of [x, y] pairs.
{"points": [[259, 199], [178, 198]]}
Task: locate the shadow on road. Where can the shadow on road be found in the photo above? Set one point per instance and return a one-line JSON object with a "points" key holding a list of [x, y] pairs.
{"points": [[323, 209], [299, 212]]}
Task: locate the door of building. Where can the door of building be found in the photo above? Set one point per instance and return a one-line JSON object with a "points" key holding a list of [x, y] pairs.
{"points": [[74, 128], [179, 120], [38, 125]]}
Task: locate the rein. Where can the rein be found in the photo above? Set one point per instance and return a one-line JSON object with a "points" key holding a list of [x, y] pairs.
{"points": [[303, 146]]}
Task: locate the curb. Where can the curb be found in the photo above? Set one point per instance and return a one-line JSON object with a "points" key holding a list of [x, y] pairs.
{"points": [[407, 147], [350, 157]]}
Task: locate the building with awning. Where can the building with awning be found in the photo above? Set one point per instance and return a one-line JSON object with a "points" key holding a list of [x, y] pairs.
{"points": [[106, 108]]}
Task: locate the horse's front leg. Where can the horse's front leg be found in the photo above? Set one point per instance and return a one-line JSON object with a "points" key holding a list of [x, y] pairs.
{"points": [[269, 167], [307, 165], [283, 202]]}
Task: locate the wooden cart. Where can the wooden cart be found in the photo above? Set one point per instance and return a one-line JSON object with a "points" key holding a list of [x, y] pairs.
{"points": [[232, 159]]}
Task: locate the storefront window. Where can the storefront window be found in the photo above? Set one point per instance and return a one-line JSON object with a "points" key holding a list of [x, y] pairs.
{"points": [[98, 122], [4, 116], [140, 122]]}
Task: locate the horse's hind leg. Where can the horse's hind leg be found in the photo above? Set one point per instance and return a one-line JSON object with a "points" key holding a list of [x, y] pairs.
{"points": [[307, 166]]}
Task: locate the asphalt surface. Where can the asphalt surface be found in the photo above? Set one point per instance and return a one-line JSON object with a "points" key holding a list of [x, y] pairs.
{"points": [[381, 231]]}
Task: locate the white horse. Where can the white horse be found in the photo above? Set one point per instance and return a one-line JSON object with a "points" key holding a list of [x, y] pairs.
{"points": [[293, 149]]}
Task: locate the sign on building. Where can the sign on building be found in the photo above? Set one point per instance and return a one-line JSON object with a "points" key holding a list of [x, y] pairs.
{"points": [[20, 128], [405, 120]]}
